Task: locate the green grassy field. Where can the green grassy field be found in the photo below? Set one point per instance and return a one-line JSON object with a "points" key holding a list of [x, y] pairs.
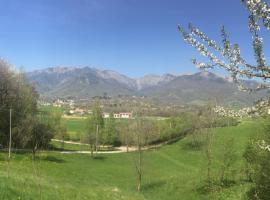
{"points": [[75, 128], [173, 172]]}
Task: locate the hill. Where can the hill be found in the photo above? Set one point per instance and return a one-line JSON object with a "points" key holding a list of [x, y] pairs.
{"points": [[173, 172], [200, 88]]}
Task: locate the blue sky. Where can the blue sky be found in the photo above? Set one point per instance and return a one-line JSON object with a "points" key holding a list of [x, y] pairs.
{"points": [[134, 37]]}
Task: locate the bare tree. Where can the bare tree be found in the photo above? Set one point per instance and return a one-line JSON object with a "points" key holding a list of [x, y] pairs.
{"points": [[93, 127], [98, 122], [207, 118], [208, 151], [139, 157], [125, 130], [227, 160], [141, 135], [90, 134]]}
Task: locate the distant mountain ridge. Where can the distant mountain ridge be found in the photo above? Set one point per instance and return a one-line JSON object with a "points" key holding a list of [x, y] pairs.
{"points": [[62, 75], [87, 82], [153, 80]]}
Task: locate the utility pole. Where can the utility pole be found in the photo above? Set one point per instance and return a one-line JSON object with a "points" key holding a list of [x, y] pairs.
{"points": [[9, 148], [97, 133]]}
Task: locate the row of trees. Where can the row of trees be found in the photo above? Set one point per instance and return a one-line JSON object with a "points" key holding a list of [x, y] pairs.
{"points": [[113, 132]]}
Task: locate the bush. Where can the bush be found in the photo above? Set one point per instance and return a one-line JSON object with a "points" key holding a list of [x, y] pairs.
{"points": [[258, 166]]}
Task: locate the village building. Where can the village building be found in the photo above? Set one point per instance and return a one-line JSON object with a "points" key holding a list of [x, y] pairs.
{"points": [[105, 115], [116, 115], [122, 115], [127, 115], [77, 111]]}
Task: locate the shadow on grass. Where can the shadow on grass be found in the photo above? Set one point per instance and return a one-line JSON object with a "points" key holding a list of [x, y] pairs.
{"points": [[53, 159], [2, 158], [153, 185], [193, 146], [54, 148], [99, 157], [205, 188], [21, 151]]}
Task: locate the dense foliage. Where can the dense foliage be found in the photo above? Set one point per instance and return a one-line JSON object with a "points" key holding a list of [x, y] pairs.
{"points": [[165, 130], [30, 128], [258, 165], [16, 94]]}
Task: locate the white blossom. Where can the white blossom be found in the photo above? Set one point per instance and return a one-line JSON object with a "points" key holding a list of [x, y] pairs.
{"points": [[228, 57]]}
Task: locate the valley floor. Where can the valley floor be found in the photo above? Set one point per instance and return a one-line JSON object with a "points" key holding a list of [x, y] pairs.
{"points": [[173, 172]]}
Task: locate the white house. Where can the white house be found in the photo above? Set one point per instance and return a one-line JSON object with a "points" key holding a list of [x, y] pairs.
{"points": [[127, 115], [116, 115], [123, 115], [105, 115]]}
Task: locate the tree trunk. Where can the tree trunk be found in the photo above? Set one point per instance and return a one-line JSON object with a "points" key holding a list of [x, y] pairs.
{"points": [[63, 143], [209, 165], [33, 154], [222, 175], [92, 150], [127, 142], [139, 168], [139, 183]]}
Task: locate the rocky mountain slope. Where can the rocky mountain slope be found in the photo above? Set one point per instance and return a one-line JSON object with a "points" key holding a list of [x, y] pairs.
{"points": [[88, 82]]}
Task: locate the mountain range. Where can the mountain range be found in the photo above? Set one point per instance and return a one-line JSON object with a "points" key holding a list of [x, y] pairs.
{"points": [[88, 82]]}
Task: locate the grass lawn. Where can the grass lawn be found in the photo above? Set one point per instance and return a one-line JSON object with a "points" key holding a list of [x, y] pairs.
{"points": [[75, 128], [173, 172]]}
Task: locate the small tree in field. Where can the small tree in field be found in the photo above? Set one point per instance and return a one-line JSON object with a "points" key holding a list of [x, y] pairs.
{"points": [[59, 126], [141, 132], [110, 132], [138, 161], [228, 158], [90, 134], [63, 133], [124, 128], [40, 137], [206, 120], [38, 132], [227, 56], [94, 125], [98, 123]]}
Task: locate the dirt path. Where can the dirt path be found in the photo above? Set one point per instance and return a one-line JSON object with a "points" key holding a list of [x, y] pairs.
{"points": [[70, 142], [89, 152], [121, 149]]}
